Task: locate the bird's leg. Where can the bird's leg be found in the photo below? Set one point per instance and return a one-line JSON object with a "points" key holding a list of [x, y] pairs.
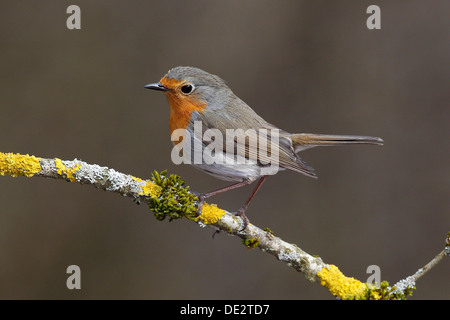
{"points": [[241, 211], [203, 196]]}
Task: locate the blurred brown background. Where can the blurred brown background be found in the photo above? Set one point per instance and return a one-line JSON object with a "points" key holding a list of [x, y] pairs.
{"points": [[307, 66]]}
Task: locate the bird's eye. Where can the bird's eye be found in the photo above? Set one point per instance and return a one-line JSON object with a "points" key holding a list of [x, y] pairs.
{"points": [[187, 88]]}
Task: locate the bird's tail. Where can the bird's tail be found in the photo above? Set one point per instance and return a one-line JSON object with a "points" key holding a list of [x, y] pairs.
{"points": [[302, 141]]}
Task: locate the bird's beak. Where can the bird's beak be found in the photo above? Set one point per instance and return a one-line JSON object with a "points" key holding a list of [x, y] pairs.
{"points": [[156, 86]]}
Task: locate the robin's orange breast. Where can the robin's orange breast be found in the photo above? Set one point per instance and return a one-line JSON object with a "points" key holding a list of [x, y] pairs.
{"points": [[181, 106]]}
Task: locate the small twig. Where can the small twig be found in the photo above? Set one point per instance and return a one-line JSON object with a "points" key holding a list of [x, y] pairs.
{"points": [[405, 286], [430, 265], [435, 260]]}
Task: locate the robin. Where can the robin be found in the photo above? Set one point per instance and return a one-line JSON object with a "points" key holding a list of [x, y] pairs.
{"points": [[197, 97]]}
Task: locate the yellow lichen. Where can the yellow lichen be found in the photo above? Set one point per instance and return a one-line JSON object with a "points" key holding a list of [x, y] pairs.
{"points": [[71, 172], [61, 169], [15, 164], [340, 285], [149, 189], [210, 214], [374, 294]]}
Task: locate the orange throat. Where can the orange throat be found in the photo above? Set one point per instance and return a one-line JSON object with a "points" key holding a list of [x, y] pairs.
{"points": [[181, 106], [179, 118]]}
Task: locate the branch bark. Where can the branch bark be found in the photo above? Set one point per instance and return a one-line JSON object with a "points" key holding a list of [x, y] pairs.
{"points": [[168, 197]]}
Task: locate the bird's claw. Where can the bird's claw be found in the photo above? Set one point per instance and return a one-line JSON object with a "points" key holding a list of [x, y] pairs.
{"points": [[241, 213], [201, 200]]}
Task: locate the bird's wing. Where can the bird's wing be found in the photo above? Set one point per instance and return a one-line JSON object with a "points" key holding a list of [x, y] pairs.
{"points": [[244, 139]]}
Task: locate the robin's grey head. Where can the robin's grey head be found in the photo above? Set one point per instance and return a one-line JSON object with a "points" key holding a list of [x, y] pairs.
{"points": [[195, 76], [194, 83]]}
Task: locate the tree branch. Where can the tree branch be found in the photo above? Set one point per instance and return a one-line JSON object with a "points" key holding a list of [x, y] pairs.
{"points": [[168, 198]]}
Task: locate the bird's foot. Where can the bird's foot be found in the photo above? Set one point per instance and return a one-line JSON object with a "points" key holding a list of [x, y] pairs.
{"points": [[201, 200], [241, 213]]}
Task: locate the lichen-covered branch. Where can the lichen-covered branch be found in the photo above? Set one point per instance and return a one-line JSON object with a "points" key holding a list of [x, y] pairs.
{"points": [[168, 197]]}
